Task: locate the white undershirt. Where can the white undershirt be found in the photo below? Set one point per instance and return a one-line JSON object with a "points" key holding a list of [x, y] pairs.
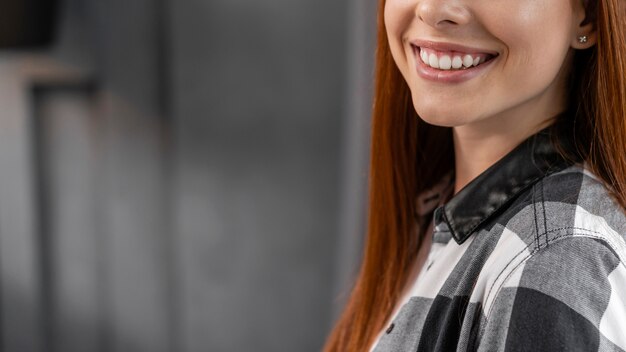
{"points": [[422, 264]]}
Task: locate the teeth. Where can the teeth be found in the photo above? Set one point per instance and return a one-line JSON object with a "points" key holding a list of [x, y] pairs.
{"points": [[468, 60], [447, 62], [457, 62], [433, 61]]}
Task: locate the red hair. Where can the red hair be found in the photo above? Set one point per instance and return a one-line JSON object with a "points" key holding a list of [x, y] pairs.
{"points": [[402, 142]]}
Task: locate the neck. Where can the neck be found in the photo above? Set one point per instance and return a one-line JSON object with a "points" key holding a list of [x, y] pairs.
{"points": [[480, 144]]}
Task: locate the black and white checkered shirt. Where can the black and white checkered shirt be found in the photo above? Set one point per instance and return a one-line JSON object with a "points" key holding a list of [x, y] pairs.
{"points": [[530, 256]]}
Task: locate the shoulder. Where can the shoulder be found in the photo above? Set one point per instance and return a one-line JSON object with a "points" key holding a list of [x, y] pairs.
{"points": [[559, 267], [569, 203], [565, 216], [567, 295], [575, 203]]}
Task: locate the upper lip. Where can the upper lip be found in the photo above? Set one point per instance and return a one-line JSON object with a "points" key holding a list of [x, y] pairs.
{"points": [[442, 46]]}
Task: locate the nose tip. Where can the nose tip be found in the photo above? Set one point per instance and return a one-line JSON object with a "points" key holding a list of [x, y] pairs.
{"points": [[442, 13]]}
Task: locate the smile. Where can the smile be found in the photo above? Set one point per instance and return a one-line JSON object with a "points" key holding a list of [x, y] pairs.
{"points": [[447, 65], [451, 60]]}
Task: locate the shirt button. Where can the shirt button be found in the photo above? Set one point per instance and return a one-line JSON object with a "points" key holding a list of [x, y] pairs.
{"points": [[390, 328]]}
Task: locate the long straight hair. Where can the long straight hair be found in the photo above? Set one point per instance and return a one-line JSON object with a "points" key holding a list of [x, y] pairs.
{"points": [[402, 145]]}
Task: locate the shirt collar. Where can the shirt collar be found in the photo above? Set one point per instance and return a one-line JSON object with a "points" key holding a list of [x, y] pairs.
{"points": [[533, 159]]}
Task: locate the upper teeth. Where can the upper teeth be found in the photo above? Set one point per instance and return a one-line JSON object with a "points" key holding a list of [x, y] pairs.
{"points": [[447, 61]]}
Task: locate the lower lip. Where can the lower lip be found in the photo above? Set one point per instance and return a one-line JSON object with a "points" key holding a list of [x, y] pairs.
{"points": [[448, 76]]}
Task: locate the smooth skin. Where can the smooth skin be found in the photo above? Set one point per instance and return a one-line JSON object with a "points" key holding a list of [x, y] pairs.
{"points": [[521, 91]]}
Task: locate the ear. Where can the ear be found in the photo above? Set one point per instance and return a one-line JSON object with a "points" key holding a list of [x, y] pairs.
{"points": [[584, 34]]}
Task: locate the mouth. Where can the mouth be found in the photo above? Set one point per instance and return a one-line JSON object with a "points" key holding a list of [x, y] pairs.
{"points": [[451, 64], [451, 60]]}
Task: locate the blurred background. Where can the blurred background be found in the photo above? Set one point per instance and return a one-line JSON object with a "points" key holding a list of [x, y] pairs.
{"points": [[183, 175]]}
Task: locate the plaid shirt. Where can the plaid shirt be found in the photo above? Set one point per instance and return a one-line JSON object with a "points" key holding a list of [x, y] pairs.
{"points": [[530, 256]]}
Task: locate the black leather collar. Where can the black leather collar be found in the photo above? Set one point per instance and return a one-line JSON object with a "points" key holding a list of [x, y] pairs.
{"points": [[533, 159]]}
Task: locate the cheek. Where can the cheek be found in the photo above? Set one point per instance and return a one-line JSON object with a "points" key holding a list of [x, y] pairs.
{"points": [[398, 15], [536, 38]]}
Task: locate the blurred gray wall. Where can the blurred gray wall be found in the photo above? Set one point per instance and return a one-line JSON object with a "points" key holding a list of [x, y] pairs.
{"points": [[184, 175]]}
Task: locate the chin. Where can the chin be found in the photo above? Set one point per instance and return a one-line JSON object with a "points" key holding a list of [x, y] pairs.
{"points": [[441, 122], [443, 117], [442, 112]]}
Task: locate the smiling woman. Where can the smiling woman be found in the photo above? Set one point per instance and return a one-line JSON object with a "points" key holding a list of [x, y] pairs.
{"points": [[497, 207]]}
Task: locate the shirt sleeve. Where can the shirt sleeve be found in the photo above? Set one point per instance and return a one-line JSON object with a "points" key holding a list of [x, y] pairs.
{"points": [[568, 296]]}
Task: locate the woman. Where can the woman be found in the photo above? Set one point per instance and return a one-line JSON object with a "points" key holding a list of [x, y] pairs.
{"points": [[498, 180]]}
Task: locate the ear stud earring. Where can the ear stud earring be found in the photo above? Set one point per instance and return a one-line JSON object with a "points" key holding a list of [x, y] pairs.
{"points": [[582, 39]]}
